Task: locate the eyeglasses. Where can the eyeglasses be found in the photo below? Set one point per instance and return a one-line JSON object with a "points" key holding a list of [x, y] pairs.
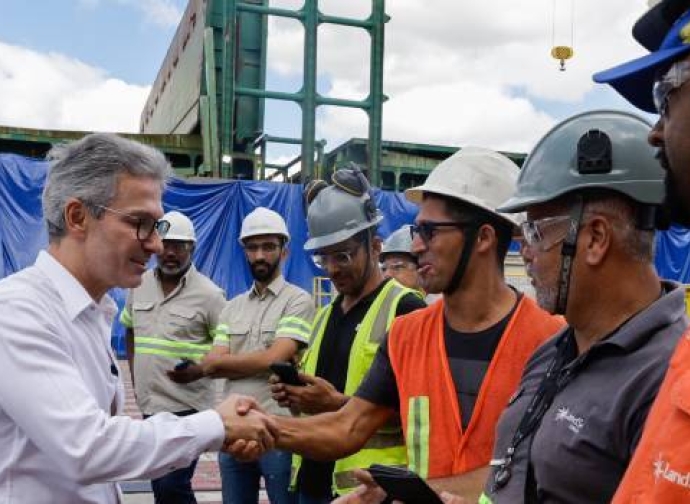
{"points": [[428, 229], [267, 247], [177, 245], [145, 226], [341, 259], [397, 267], [533, 232], [677, 75]]}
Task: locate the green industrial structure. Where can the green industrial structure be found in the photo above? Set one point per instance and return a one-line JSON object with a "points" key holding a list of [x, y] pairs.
{"points": [[206, 109]]}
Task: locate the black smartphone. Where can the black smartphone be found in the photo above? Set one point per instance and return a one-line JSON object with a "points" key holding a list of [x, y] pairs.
{"points": [[183, 364], [287, 372], [403, 485]]}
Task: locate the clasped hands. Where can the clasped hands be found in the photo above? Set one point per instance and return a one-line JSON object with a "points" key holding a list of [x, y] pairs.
{"points": [[249, 432]]}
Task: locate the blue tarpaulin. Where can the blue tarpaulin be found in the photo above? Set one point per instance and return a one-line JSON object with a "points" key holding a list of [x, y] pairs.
{"points": [[217, 210]]}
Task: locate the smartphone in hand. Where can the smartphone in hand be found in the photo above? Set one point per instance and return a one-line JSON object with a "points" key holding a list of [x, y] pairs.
{"points": [[287, 372], [184, 364], [404, 485]]}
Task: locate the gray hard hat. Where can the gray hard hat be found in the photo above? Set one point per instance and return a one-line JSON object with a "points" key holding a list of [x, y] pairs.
{"points": [[336, 215], [399, 242], [596, 150]]}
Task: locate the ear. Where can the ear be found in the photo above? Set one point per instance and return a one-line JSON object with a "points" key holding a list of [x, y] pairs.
{"points": [[284, 252], [486, 238], [77, 218], [597, 238]]}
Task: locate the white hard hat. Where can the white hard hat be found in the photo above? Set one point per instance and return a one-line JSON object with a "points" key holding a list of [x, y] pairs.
{"points": [[399, 242], [473, 175], [181, 228], [263, 221]]}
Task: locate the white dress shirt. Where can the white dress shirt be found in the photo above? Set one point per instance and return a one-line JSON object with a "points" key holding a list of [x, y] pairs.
{"points": [[60, 383]]}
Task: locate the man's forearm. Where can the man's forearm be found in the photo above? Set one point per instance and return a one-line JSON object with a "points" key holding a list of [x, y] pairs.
{"points": [[237, 366], [468, 485], [319, 437]]}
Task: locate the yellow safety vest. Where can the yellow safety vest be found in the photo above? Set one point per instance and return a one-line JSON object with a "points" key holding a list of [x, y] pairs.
{"points": [[387, 445]]}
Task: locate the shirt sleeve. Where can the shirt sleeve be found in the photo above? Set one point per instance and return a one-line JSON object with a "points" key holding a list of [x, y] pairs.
{"points": [[221, 334], [216, 304], [409, 303], [297, 319], [48, 399], [126, 314], [379, 385]]}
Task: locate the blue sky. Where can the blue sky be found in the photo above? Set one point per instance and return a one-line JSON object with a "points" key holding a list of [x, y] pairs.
{"points": [[117, 36], [457, 73]]}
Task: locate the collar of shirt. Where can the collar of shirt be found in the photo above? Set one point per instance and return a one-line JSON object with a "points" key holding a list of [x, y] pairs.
{"points": [[274, 288], [72, 292], [637, 330]]}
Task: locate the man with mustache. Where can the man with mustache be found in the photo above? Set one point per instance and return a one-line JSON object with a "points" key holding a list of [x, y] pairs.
{"points": [[270, 322], [171, 317], [660, 470], [591, 189]]}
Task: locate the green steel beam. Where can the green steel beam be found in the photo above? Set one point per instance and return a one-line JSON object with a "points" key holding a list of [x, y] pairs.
{"points": [[210, 76], [310, 11], [270, 11], [376, 98], [229, 81]]}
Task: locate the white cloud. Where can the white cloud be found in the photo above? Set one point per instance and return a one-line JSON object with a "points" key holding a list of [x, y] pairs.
{"points": [[165, 13], [57, 92], [460, 72]]}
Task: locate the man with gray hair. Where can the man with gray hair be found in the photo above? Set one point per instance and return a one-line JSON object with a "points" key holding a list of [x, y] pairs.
{"points": [[64, 442]]}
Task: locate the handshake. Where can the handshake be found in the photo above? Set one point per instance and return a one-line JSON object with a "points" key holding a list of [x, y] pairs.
{"points": [[249, 432]]}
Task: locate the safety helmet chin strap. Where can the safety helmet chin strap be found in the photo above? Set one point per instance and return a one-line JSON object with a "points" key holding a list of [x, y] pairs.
{"points": [[568, 250], [470, 232]]}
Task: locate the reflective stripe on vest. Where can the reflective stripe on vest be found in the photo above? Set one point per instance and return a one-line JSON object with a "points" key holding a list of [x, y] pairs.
{"points": [[418, 435], [152, 345], [387, 445]]}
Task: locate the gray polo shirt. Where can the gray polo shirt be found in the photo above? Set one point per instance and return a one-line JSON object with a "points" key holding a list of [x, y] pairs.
{"points": [[587, 436], [168, 329], [251, 322]]}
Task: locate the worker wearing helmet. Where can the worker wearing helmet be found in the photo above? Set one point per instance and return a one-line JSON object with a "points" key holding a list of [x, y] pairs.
{"points": [[396, 259], [342, 220], [591, 189], [170, 318], [657, 82], [449, 369], [269, 322]]}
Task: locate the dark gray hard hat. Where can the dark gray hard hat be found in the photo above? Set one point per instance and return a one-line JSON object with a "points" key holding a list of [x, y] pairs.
{"points": [[595, 150], [335, 215]]}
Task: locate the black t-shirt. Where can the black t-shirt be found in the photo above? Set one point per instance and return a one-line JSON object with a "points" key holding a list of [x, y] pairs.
{"points": [[316, 478], [469, 356]]}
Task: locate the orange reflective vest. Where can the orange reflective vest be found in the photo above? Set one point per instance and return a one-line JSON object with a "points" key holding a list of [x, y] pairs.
{"points": [[659, 471], [429, 409]]}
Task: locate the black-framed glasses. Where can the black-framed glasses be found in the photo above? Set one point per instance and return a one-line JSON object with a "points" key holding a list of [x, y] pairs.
{"points": [[428, 229], [145, 226]]}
